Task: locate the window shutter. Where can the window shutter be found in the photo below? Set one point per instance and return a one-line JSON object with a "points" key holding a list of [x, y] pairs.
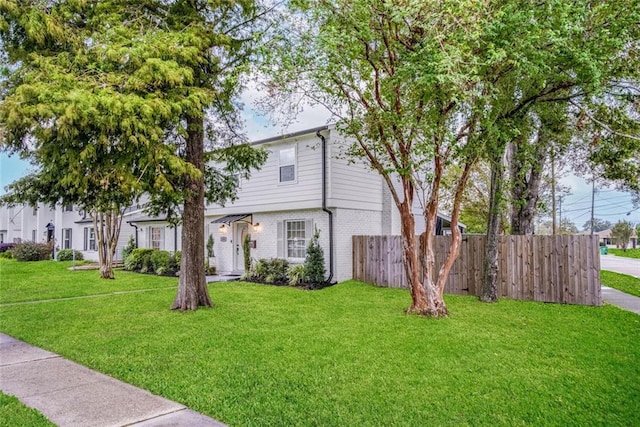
{"points": [[280, 239], [162, 246], [86, 238]]}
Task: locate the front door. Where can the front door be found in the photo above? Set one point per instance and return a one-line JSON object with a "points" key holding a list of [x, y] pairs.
{"points": [[242, 229]]}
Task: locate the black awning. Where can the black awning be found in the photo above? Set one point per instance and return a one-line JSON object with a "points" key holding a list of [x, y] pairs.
{"points": [[228, 219]]}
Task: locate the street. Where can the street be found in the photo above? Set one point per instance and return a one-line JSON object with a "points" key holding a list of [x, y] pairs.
{"points": [[622, 265]]}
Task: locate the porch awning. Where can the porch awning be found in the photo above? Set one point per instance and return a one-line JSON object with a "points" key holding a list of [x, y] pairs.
{"points": [[228, 219]]}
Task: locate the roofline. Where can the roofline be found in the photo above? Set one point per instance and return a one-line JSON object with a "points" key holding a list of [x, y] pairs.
{"points": [[290, 135]]}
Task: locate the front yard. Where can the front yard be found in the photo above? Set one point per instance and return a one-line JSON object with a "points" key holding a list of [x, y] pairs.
{"points": [[343, 356]]}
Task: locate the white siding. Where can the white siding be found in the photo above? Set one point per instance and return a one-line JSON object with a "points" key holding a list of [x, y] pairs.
{"points": [[352, 184], [264, 191]]}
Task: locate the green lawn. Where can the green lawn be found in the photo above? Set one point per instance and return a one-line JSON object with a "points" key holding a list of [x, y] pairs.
{"points": [[348, 355], [13, 413], [621, 282], [31, 281], [629, 253]]}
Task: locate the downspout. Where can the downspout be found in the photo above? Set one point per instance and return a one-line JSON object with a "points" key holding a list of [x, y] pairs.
{"points": [[324, 204], [133, 224]]}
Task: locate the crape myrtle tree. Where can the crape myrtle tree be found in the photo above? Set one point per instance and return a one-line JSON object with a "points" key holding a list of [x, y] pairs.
{"points": [[139, 84], [568, 54], [413, 84]]}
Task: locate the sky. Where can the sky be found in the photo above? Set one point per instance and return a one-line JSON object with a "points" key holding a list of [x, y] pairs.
{"points": [[609, 204]]}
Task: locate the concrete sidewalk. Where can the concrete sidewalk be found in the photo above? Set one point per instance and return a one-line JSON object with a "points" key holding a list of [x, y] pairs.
{"points": [[69, 394], [621, 299]]}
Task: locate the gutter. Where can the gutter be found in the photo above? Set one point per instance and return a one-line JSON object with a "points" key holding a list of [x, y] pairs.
{"points": [[324, 202]]}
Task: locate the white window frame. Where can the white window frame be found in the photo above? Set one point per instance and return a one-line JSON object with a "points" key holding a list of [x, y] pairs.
{"points": [[89, 239], [291, 246], [156, 238], [67, 243], [282, 163]]}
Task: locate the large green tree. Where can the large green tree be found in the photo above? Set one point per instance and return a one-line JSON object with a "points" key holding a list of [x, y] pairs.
{"points": [[568, 55], [140, 85], [420, 86]]}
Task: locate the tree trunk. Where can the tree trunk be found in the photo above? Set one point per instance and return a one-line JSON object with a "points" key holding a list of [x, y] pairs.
{"points": [[525, 185], [425, 299], [107, 229], [490, 275], [192, 288], [104, 261]]}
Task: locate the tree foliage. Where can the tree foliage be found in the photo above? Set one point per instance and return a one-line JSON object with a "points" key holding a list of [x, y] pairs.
{"points": [[113, 99], [621, 234], [599, 224]]}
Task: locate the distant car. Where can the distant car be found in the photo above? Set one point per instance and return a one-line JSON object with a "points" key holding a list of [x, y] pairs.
{"points": [[6, 246]]}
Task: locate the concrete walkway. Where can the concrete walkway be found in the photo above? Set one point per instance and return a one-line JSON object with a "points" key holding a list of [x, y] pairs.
{"points": [[69, 394], [621, 299]]}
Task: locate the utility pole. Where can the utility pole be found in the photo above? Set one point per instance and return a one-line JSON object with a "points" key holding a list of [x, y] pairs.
{"points": [[560, 216]]}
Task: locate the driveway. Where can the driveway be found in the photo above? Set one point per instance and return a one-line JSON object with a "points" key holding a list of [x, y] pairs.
{"points": [[620, 264]]}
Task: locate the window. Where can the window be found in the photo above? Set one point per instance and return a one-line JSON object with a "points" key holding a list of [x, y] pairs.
{"points": [[288, 164], [35, 211], [293, 238], [66, 238], [156, 237], [68, 208], [89, 239], [34, 235]]}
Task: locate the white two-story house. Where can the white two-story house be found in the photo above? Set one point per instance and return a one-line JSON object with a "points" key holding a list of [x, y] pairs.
{"points": [[307, 183]]}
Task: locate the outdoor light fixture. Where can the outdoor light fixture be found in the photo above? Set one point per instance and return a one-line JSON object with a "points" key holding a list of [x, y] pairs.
{"points": [[223, 229], [256, 227]]}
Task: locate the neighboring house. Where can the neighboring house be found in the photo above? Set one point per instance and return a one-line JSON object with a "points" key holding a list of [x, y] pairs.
{"points": [[24, 223], [73, 228], [305, 184], [605, 238]]}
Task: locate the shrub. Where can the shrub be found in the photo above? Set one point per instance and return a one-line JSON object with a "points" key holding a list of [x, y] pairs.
{"points": [[314, 261], [144, 260], [131, 245], [278, 270], [68, 255], [260, 270], [31, 251], [139, 260], [210, 252], [296, 274], [6, 254], [246, 252], [273, 270], [160, 259]]}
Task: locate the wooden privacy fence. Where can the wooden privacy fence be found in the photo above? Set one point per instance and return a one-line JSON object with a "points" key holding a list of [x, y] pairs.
{"points": [[561, 269]]}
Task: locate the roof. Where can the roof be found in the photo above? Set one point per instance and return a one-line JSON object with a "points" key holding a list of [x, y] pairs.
{"points": [[290, 135]]}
